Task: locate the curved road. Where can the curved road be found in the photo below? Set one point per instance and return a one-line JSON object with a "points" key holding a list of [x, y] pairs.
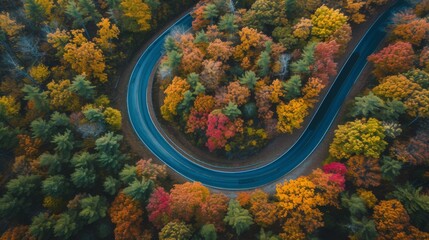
{"points": [[144, 126]]}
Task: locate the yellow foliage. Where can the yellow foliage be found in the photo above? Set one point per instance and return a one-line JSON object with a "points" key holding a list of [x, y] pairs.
{"points": [[138, 11], [397, 87], [291, 115], [302, 29], [54, 204], [39, 73], [9, 26], [173, 96], [106, 32], [102, 101], [368, 197], [276, 91], [59, 40], [60, 97], [85, 57], [9, 105], [113, 117], [326, 21], [353, 7]]}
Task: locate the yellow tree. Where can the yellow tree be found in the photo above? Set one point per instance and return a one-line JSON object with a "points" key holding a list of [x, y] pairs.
{"points": [[173, 96], [311, 90], [39, 72], [298, 202], [276, 91], [85, 57], [353, 8], [291, 115], [59, 40], [113, 117], [9, 26], [60, 96], [326, 21], [106, 32], [397, 87], [137, 15], [9, 106], [360, 137]]}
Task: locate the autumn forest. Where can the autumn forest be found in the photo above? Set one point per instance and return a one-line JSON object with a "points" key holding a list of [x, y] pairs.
{"points": [[247, 73]]}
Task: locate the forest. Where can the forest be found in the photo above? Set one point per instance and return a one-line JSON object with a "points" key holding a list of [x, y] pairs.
{"points": [[245, 74]]}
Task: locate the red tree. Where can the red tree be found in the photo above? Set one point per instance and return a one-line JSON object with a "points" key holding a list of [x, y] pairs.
{"points": [[158, 208], [395, 58], [324, 64], [219, 130]]}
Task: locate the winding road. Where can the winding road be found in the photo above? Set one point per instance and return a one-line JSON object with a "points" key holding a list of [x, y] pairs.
{"points": [[138, 104]]}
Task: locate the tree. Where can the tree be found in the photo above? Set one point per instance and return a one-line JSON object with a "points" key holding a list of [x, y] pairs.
{"points": [[113, 117], [55, 186], [9, 107], [64, 143], [342, 36], [354, 204], [291, 115], [39, 72], [174, 95], [59, 39], [186, 200], [9, 26], [414, 31], [326, 21], [158, 208], [61, 97], [106, 33], [228, 24], [149, 170], [79, 15], [127, 215], [231, 111], [364, 172], [303, 65], [249, 79], [219, 50], [15, 202], [412, 150], [416, 203], [396, 87], [390, 168], [83, 177], [264, 15], [210, 12], [197, 120], [137, 15], [424, 57], [292, 87], [219, 130], [36, 97], [263, 211], [111, 185], [353, 8], [238, 217], [298, 203], [82, 87], [391, 219], [208, 232], [418, 76], [213, 211], [212, 74], [417, 104], [38, 10], [65, 226], [395, 58], [139, 189], [176, 230], [324, 65], [110, 156], [85, 57], [92, 208], [311, 90], [348, 139], [41, 226]]}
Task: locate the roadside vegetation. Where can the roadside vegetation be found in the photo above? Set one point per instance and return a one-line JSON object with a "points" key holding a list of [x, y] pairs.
{"points": [[66, 172]]}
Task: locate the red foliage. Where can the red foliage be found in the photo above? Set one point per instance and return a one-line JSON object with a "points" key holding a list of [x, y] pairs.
{"points": [[219, 130], [213, 211], [395, 58], [324, 64], [158, 208], [335, 167]]}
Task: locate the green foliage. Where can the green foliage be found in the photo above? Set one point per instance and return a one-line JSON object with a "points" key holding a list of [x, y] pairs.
{"points": [[52, 162], [210, 12], [249, 110], [302, 66], [55, 186], [227, 23], [238, 217], [34, 11], [128, 174], [263, 63], [354, 204], [41, 129], [8, 138], [293, 87], [18, 192], [110, 157], [208, 232], [64, 143], [83, 160], [39, 98], [390, 168], [41, 226], [82, 87], [231, 111], [66, 226], [364, 229], [267, 235], [83, 177], [249, 79], [139, 190], [93, 208], [111, 185]]}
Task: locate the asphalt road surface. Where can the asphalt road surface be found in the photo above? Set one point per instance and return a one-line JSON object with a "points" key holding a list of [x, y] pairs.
{"points": [[138, 103]]}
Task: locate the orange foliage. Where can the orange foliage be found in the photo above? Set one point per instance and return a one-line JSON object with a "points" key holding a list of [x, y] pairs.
{"points": [[17, 233], [414, 31], [364, 171], [127, 215], [186, 200], [28, 146], [264, 212]]}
